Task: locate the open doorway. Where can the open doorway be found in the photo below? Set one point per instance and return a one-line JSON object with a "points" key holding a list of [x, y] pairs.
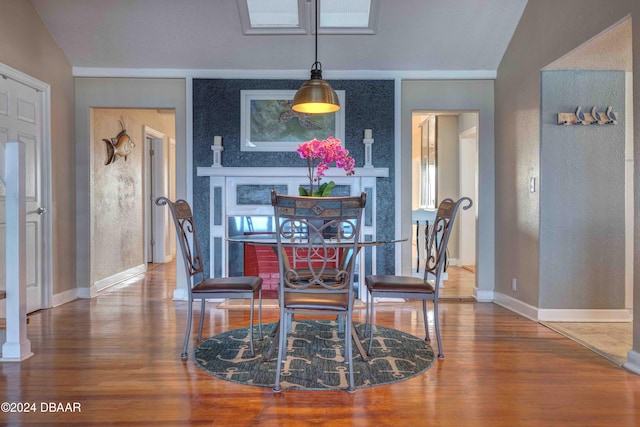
{"points": [[160, 181], [445, 165], [124, 184]]}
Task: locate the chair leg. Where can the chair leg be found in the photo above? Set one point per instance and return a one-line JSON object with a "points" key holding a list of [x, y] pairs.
{"points": [[184, 354], [260, 313], [251, 327], [435, 317], [202, 310], [426, 320], [366, 314], [349, 351], [282, 348], [371, 327], [341, 323]]}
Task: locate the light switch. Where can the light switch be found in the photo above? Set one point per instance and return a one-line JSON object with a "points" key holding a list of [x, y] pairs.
{"points": [[532, 184]]}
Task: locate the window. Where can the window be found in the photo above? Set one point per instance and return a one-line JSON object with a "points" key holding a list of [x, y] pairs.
{"points": [[296, 16]]}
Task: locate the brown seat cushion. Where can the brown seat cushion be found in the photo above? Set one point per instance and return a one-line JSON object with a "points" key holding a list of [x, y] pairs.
{"points": [[229, 284], [390, 283], [316, 301]]}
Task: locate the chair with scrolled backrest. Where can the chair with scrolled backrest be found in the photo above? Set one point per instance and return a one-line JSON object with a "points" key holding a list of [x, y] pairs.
{"points": [[426, 288], [312, 233], [203, 288]]}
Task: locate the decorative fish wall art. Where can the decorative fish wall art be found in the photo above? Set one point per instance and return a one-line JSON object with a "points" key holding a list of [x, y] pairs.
{"points": [[120, 146]]}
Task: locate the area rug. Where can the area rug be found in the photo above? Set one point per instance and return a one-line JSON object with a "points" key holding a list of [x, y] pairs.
{"points": [[315, 357]]}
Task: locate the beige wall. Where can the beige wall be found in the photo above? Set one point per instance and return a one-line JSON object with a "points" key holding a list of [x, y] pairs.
{"points": [[117, 198], [25, 44], [119, 93]]}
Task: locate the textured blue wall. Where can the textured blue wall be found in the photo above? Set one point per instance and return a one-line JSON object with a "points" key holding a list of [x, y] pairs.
{"points": [[369, 104]]}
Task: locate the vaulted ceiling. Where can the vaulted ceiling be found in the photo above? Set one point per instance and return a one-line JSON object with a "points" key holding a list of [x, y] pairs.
{"points": [[412, 35]]}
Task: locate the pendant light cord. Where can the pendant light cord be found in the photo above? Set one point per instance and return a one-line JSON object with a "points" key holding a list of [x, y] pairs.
{"points": [[316, 1]]}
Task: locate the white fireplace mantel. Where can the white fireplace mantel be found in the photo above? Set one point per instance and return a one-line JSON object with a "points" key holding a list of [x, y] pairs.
{"points": [[287, 172], [228, 198]]}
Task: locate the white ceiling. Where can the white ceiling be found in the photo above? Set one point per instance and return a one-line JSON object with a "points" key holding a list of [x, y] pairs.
{"points": [[412, 35]]}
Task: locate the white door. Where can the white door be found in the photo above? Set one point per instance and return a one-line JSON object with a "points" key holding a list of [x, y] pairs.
{"points": [[468, 187], [21, 120], [159, 183]]}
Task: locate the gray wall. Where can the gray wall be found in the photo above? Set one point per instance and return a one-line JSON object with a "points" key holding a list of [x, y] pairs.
{"points": [[466, 121], [436, 95], [547, 30], [582, 194]]}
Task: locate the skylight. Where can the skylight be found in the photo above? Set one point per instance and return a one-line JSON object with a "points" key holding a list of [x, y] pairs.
{"points": [[296, 16], [273, 13], [345, 14]]}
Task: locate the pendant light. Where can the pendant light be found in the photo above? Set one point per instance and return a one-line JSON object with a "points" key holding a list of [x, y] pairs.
{"points": [[316, 96]]}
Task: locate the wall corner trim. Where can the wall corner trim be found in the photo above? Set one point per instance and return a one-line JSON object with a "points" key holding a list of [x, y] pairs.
{"points": [[633, 362]]}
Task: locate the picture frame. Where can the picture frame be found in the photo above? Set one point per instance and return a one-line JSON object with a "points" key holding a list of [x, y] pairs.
{"points": [[269, 124]]}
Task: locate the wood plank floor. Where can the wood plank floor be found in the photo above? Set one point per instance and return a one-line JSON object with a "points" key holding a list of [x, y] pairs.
{"points": [[117, 355]]}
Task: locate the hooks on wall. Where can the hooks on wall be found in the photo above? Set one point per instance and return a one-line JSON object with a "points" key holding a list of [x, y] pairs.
{"points": [[579, 117]]}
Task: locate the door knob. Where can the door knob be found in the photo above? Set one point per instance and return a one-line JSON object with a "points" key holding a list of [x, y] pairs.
{"points": [[41, 211]]}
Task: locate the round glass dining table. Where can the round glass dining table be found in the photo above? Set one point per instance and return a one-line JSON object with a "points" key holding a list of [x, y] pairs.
{"points": [[269, 239]]}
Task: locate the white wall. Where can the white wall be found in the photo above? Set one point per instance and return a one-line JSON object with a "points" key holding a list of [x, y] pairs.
{"points": [[448, 170]]}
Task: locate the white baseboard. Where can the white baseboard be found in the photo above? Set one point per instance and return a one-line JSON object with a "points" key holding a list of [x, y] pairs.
{"points": [[562, 315], [483, 295], [58, 299], [180, 295], [517, 306], [584, 315], [633, 362], [107, 282], [64, 297], [86, 293]]}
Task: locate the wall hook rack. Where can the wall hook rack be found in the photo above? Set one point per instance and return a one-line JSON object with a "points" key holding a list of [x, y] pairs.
{"points": [[594, 117]]}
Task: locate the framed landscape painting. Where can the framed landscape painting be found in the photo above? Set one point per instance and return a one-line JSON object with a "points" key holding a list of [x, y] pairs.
{"points": [[269, 124]]}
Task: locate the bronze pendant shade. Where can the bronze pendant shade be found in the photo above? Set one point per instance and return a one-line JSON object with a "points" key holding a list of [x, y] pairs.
{"points": [[316, 96]]}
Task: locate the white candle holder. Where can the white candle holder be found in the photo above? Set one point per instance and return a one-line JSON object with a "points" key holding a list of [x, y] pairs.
{"points": [[217, 156], [368, 154]]}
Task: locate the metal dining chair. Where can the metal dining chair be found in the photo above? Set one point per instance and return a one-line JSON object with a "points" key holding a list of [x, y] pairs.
{"points": [[426, 288], [203, 288], [309, 230]]}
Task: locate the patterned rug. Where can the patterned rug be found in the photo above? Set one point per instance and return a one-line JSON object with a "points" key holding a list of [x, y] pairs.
{"points": [[315, 357]]}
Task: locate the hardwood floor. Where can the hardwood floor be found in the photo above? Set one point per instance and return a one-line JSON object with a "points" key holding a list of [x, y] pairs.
{"points": [[117, 356], [459, 285]]}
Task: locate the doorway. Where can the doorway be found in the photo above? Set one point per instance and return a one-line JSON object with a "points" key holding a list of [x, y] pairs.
{"points": [[445, 165], [125, 220], [160, 181], [468, 186]]}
